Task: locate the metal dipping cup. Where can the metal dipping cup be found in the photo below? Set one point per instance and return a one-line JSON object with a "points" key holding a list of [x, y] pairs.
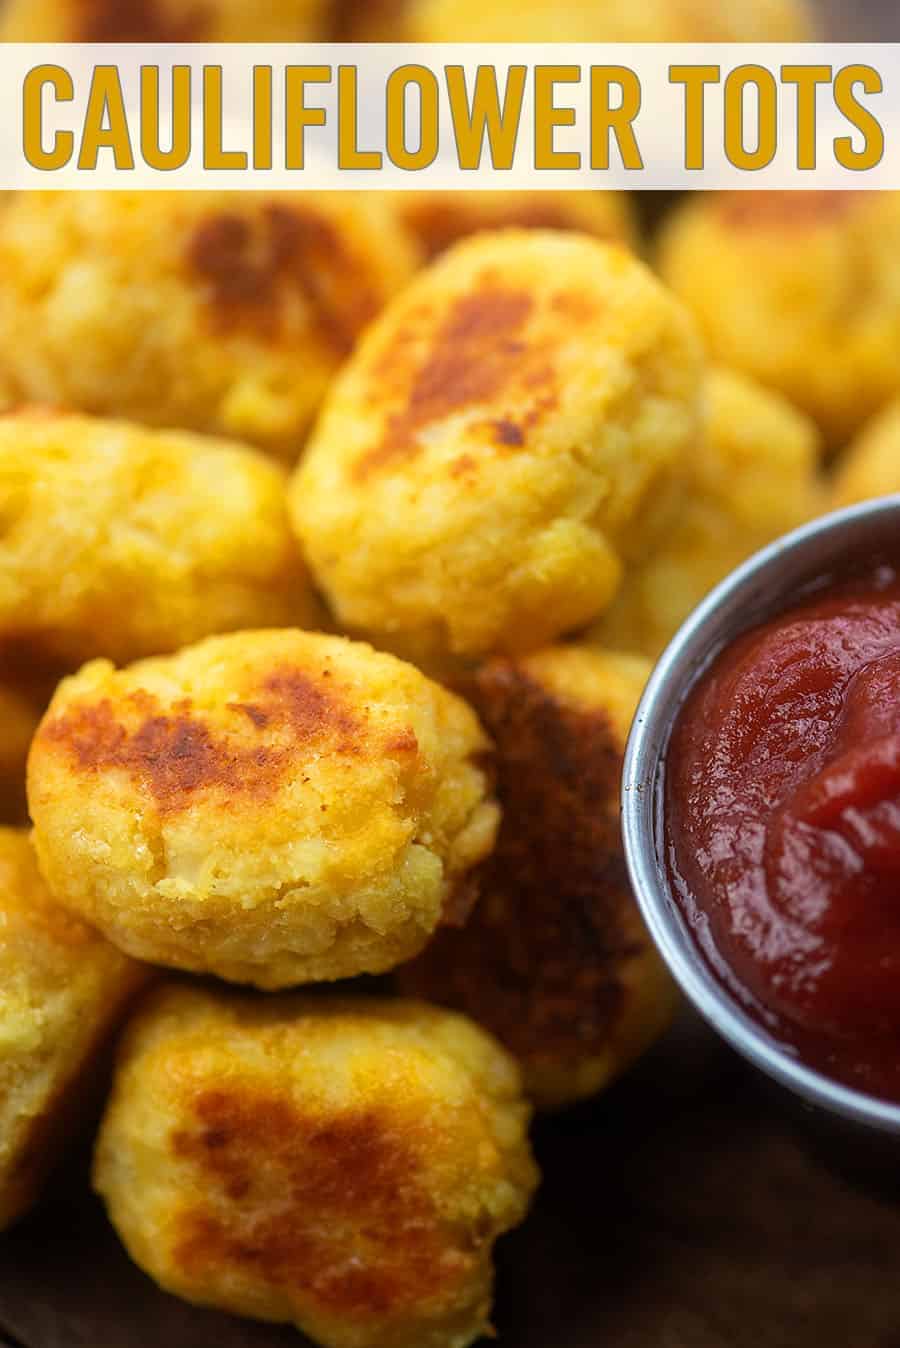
{"points": [[767, 584]]}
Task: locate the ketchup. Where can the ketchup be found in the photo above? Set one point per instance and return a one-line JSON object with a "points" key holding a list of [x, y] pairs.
{"points": [[783, 826]]}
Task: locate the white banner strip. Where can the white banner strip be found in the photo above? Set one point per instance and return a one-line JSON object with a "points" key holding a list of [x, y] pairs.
{"points": [[264, 117]]}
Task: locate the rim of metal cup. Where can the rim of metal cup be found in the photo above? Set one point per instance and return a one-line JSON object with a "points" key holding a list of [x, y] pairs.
{"points": [[758, 589]]}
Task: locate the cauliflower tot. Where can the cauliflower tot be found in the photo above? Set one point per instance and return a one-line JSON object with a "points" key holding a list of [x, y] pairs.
{"points": [[272, 807], [554, 960], [871, 465], [752, 477], [345, 1166], [510, 430], [800, 290], [223, 312], [64, 989], [165, 21], [578, 21], [439, 219], [126, 542]]}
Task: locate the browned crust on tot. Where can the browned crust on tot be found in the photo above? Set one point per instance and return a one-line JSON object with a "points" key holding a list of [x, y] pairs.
{"points": [[508, 433], [538, 962], [332, 1207], [140, 21], [173, 753], [249, 266], [476, 352]]}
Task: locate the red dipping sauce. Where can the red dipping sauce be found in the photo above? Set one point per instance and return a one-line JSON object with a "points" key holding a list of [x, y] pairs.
{"points": [[782, 794]]}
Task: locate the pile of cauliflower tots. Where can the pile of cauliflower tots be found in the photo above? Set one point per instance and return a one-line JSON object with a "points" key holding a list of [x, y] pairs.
{"points": [[338, 536]]}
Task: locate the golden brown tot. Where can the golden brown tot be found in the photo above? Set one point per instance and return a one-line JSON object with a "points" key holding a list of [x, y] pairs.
{"points": [[510, 432], [274, 807], [223, 312], [64, 989], [345, 1166], [554, 959], [752, 476], [800, 290], [124, 542]]}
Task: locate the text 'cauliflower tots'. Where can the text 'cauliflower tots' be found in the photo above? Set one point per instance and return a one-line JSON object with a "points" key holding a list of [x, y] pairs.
{"points": [[221, 312], [273, 807], [164, 21], [125, 542], [63, 990], [506, 432], [871, 465], [554, 959], [752, 476], [800, 290], [438, 219], [578, 21], [344, 1166]]}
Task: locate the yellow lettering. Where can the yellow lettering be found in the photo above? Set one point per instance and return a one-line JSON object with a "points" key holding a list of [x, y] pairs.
{"points": [[151, 152], [547, 117], [37, 79], [397, 148], [297, 115], [858, 116], [484, 113], [695, 79], [105, 122], [619, 120]]}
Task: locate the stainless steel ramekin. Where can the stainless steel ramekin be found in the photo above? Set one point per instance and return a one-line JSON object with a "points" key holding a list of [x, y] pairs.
{"points": [[766, 584]]}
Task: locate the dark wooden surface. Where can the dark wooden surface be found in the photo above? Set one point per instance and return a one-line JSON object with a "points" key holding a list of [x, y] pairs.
{"points": [[687, 1209]]}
